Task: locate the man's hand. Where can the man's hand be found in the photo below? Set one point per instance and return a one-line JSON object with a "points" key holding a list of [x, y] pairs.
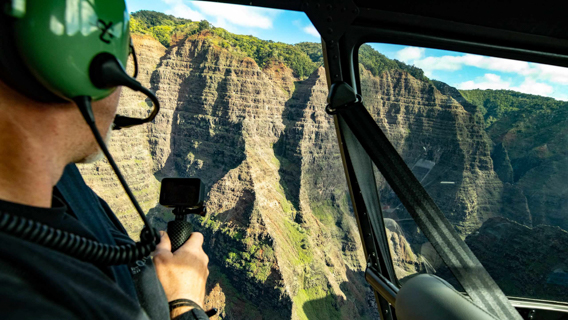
{"points": [[183, 273]]}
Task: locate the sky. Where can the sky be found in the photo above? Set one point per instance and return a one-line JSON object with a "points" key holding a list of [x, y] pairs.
{"points": [[460, 70], [471, 71]]}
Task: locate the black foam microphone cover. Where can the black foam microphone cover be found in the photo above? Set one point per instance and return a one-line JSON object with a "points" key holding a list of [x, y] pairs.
{"points": [[106, 72]]}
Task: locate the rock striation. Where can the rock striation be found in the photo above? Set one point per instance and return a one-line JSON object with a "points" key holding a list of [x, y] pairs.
{"points": [[443, 141], [280, 235]]}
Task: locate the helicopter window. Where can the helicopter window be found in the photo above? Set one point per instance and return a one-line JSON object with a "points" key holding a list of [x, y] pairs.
{"points": [[487, 138]]}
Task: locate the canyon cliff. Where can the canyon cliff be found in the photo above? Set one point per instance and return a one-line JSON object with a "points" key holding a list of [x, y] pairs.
{"points": [[282, 240], [444, 142]]}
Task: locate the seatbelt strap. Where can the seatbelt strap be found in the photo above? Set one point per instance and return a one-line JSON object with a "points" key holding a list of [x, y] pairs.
{"points": [[355, 120]]}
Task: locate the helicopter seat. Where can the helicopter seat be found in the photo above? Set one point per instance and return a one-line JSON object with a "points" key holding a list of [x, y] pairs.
{"points": [[427, 297]]}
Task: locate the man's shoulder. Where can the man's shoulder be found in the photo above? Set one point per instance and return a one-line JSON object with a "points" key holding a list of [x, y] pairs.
{"points": [[40, 281], [19, 298]]}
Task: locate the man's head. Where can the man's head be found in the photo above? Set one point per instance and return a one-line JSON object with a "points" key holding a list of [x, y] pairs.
{"points": [[54, 52], [47, 59]]}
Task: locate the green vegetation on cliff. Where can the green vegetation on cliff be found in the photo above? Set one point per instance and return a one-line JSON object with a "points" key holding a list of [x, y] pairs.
{"points": [[378, 63], [264, 51], [498, 104], [303, 58], [370, 58], [150, 19], [159, 25], [165, 28], [313, 50]]}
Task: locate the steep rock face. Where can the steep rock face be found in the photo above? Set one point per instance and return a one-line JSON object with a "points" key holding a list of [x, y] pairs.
{"points": [[278, 249], [536, 148], [529, 134], [221, 117], [405, 261], [281, 75], [314, 182], [443, 142]]}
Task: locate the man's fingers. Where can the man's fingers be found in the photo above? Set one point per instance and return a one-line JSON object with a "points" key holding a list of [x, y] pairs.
{"points": [[165, 243], [195, 240]]}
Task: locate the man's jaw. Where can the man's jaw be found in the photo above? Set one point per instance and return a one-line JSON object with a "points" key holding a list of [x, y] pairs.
{"points": [[97, 155]]}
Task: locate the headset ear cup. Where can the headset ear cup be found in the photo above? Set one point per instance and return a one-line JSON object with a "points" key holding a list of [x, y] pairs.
{"points": [[13, 70]]}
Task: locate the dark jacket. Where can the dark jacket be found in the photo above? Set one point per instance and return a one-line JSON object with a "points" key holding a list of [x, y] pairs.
{"points": [[39, 283]]}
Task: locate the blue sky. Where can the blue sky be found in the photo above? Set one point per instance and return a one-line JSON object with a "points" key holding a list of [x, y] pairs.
{"points": [[461, 70], [470, 71]]}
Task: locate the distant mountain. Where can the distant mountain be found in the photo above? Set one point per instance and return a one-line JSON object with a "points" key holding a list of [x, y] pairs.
{"points": [[496, 104], [529, 134]]}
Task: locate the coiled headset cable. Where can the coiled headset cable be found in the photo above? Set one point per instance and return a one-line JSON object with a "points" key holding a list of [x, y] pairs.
{"points": [[106, 72]]}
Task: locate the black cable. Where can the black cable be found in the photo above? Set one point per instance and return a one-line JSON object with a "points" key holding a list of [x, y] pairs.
{"points": [[134, 59], [76, 246], [107, 72], [127, 122], [84, 104]]}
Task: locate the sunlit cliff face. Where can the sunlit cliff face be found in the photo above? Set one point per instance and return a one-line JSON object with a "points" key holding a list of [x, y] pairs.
{"points": [[259, 142]]}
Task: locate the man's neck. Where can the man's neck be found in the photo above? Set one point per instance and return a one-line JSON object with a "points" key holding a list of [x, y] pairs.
{"points": [[28, 168]]}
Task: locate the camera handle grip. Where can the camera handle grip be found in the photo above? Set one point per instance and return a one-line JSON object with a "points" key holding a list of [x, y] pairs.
{"points": [[179, 231]]}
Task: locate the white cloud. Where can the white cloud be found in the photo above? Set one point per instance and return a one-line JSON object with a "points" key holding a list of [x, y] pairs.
{"points": [[311, 30], [222, 15], [533, 87], [410, 53], [457, 62], [494, 82], [561, 96], [531, 71], [488, 81], [179, 9], [553, 73], [495, 64], [242, 16]]}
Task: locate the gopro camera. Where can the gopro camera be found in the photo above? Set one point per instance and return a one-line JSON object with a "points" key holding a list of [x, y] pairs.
{"points": [[182, 193]]}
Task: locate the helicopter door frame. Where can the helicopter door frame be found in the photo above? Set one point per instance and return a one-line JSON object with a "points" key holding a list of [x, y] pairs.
{"points": [[341, 63]]}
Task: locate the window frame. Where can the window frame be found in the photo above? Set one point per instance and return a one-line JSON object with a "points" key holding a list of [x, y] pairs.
{"points": [[342, 63]]}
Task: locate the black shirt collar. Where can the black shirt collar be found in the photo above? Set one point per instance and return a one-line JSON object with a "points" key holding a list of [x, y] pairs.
{"points": [[57, 216], [39, 214]]}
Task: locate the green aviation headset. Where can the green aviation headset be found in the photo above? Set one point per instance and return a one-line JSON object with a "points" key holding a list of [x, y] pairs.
{"points": [[72, 50], [57, 50]]}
